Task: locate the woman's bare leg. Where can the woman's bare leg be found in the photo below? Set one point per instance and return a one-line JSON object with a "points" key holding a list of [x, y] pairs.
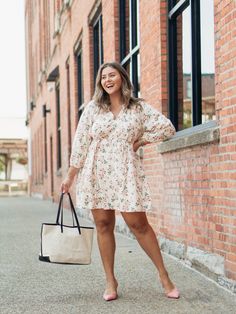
{"points": [[105, 223], [138, 224]]}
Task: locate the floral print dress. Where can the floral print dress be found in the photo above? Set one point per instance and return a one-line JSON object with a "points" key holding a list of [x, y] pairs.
{"points": [[110, 174]]}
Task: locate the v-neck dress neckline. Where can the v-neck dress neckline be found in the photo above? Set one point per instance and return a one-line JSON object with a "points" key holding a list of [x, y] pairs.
{"points": [[115, 117]]}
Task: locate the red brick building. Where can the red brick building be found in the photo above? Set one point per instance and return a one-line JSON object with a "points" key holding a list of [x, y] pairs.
{"points": [[161, 43]]}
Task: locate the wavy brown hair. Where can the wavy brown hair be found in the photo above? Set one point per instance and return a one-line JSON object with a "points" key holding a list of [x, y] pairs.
{"points": [[101, 97]]}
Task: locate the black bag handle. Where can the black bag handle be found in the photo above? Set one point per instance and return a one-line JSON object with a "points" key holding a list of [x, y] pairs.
{"points": [[72, 215], [73, 212], [59, 209]]}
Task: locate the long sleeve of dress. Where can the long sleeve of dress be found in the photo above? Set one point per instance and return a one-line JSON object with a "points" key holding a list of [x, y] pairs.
{"points": [[156, 127], [82, 138]]}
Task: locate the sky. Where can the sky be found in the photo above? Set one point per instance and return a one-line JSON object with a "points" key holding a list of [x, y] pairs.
{"points": [[12, 70]]}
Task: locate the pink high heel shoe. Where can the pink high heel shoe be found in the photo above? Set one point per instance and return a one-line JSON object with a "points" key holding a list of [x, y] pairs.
{"points": [[110, 297], [173, 294]]}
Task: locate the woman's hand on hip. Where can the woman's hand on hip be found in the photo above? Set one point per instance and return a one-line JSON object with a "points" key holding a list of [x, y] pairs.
{"points": [[138, 144]]}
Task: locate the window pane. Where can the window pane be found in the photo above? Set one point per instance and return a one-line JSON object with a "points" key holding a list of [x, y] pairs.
{"points": [[128, 69], [138, 21], [129, 40], [58, 127], [80, 83], [133, 20], [184, 69], [129, 11], [127, 27], [100, 42], [207, 60], [138, 65], [97, 46]]}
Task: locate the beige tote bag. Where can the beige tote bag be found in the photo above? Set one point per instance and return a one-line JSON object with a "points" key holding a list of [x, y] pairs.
{"points": [[66, 244]]}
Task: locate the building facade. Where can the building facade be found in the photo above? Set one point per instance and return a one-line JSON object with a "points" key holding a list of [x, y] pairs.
{"points": [[13, 166], [181, 59]]}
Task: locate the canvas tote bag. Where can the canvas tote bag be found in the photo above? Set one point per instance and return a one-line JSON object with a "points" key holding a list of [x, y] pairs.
{"points": [[66, 244]]}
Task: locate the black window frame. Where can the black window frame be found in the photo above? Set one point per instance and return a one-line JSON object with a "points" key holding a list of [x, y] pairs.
{"points": [[68, 70], [133, 51], [45, 138], [98, 56], [80, 97], [58, 126], [174, 10]]}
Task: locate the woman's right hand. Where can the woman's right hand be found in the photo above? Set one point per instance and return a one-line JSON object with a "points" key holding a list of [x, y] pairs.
{"points": [[66, 184]]}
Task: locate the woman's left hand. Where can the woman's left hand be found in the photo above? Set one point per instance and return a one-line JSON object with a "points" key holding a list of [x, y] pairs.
{"points": [[136, 146]]}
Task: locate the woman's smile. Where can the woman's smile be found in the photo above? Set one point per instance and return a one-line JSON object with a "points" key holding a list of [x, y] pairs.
{"points": [[111, 80]]}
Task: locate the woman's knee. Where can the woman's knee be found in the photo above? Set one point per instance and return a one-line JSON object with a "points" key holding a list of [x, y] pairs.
{"points": [[139, 227], [104, 226], [137, 222], [104, 220]]}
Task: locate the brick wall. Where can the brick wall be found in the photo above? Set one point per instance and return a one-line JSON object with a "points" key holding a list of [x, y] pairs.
{"points": [[193, 188], [223, 162]]}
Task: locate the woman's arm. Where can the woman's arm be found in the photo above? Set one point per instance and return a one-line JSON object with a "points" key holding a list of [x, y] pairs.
{"points": [[81, 142], [68, 181], [156, 127]]}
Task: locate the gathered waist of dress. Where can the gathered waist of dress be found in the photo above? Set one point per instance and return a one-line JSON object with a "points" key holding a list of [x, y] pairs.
{"points": [[109, 140], [111, 144]]}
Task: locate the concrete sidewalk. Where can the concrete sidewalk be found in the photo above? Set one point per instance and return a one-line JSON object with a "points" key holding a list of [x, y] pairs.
{"points": [[29, 286]]}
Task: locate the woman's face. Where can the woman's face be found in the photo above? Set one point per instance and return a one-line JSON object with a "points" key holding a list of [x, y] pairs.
{"points": [[111, 80]]}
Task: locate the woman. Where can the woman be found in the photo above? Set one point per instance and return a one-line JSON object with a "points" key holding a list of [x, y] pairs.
{"points": [[110, 175]]}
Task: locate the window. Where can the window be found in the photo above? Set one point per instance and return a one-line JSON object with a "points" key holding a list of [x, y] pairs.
{"points": [[129, 40], [97, 46], [208, 60], [37, 158], [58, 126], [45, 139], [191, 62], [68, 107], [51, 165], [80, 83], [41, 155], [46, 26]]}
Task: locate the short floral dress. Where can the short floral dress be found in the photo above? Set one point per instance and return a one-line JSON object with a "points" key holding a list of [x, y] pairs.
{"points": [[110, 174]]}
